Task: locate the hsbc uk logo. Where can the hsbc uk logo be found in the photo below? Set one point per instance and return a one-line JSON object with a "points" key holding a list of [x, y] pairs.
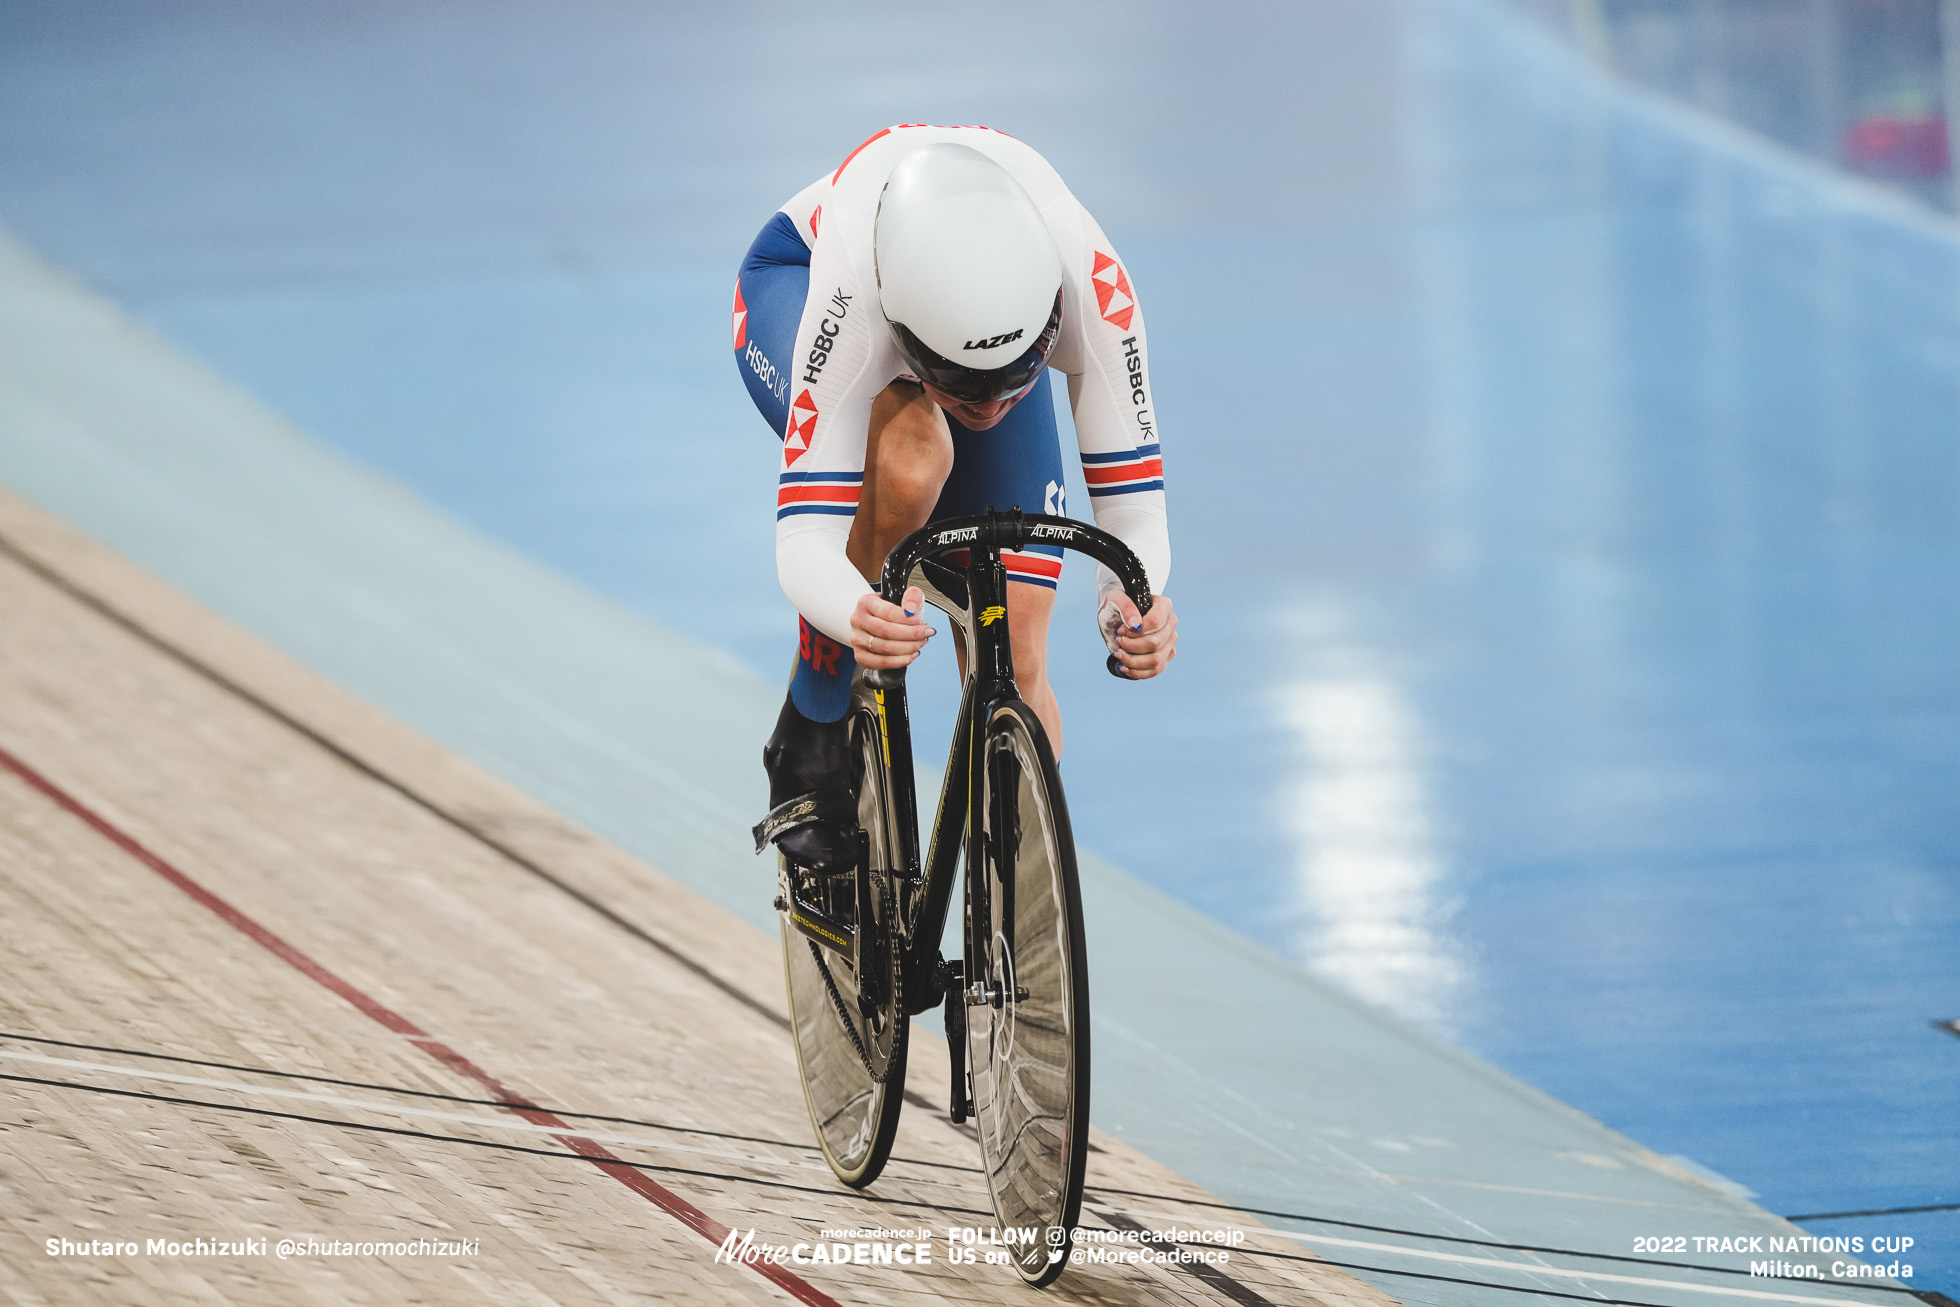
{"points": [[765, 371], [802, 426], [1139, 396], [826, 338], [1113, 298]]}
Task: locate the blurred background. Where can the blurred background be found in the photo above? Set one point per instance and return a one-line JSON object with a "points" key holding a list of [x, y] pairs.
{"points": [[1862, 84], [1561, 414]]}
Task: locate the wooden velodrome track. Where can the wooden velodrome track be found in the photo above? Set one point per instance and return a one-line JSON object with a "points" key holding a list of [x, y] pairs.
{"points": [[278, 967]]}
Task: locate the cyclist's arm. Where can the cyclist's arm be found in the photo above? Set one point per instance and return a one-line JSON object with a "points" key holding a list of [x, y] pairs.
{"points": [[836, 371], [1107, 357], [1106, 353]]}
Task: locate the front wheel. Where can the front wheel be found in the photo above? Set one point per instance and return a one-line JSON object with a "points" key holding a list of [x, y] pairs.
{"points": [[850, 1032], [1028, 996]]}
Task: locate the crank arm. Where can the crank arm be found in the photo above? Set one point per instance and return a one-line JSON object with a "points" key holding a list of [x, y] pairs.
{"points": [[959, 1100], [811, 921]]}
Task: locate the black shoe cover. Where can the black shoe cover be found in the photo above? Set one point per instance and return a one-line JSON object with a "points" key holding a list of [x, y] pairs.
{"points": [[807, 759]]}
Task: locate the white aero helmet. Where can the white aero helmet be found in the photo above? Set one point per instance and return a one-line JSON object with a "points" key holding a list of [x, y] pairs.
{"points": [[967, 273]]}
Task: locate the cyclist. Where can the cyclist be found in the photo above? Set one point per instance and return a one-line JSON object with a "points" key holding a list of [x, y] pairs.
{"points": [[894, 322]]}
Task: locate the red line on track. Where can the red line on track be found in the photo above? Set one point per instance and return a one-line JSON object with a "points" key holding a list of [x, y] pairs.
{"points": [[659, 1195]]}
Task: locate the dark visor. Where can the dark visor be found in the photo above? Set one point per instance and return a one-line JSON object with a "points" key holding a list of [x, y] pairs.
{"points": [[974, 385]]}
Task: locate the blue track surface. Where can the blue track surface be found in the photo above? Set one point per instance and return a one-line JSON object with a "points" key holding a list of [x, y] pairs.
{"points": [[1566, 494]]}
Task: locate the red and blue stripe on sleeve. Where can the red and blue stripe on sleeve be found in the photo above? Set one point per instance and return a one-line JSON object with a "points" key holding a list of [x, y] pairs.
{"points": [[818, 492], [1125, 473]]}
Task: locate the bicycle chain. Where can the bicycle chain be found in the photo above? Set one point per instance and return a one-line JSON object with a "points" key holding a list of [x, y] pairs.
{"points": [[843, 1015]]}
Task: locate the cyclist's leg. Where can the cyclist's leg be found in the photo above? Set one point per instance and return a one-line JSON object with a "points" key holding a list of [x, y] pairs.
{"points": [[907, 455], [770, 288], [808, 754], [1028, 610], [1018, 463]]}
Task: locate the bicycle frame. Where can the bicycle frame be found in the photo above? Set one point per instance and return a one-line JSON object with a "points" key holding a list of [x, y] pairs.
{"points": [[923, 890]]}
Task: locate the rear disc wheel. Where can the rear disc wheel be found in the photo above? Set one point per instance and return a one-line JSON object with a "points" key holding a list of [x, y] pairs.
{"points": [[850, 1036]]}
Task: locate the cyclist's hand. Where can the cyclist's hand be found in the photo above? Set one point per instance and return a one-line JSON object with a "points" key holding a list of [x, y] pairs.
{"points": [[1144, 643], [886, 635]]}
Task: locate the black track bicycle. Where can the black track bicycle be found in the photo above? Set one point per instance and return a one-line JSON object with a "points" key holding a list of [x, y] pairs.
{"points": [[861, 948]]}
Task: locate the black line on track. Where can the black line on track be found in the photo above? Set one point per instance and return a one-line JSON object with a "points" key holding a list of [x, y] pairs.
{"points": [[103, 609], [412, 1093], [830, 1191], [1876, 1211], [456, 1098], [431, 1136], [1487, 1243]]}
